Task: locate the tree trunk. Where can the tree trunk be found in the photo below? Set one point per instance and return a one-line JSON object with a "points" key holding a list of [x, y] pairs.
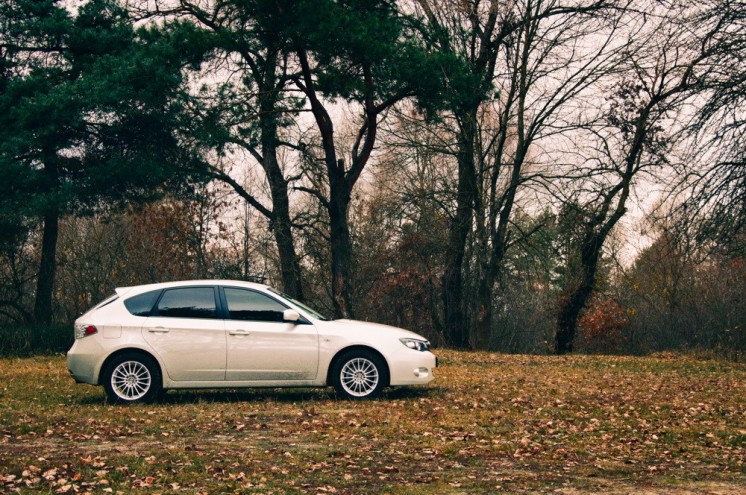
{"points": [[289, 263], [456, 327], [576, 300], [341, 244], [280, 221], [278, 185], [567, 320], [47, 267], [499, 218]]}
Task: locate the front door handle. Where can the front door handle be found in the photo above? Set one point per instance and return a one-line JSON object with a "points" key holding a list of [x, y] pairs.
{"points": [[239, 333], [158, 330]]}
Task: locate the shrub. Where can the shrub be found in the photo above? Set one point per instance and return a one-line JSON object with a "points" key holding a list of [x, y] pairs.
{"points": [[30, 340]]}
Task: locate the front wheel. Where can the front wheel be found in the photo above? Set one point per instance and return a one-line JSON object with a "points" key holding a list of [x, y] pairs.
{"points": [[132, 378], [359, 375]]}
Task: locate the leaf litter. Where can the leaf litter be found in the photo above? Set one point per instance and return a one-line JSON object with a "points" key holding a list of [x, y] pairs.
{"points": [[489, 423]]}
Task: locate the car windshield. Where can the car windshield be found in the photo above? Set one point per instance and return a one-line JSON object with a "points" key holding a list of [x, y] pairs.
{"points": [[304, 307]]}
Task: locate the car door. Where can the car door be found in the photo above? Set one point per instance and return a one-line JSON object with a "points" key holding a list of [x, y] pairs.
{"points": [[263, 347], [188, 335]]}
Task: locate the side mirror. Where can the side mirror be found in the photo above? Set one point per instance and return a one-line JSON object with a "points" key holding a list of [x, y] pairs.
{"points": [[290, 315]]}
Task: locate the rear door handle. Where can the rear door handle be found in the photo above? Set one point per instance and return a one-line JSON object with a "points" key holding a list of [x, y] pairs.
{"points": [[239, 333], [158, 330]]}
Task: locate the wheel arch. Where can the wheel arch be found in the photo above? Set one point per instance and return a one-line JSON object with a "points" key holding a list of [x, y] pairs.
{"points": [[352, 348], [128, 350]]}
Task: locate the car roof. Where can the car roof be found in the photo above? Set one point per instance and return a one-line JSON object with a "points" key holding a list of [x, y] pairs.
{"points": [[139, 289]]}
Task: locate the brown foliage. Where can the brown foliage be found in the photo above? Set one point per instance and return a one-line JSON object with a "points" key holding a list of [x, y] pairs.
{"points": [[603, 325]]}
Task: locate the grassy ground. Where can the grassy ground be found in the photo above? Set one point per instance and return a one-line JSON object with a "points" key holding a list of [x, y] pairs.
{"points": [[489, 423]]}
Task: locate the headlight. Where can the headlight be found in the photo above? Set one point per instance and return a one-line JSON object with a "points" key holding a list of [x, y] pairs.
{"points": [[416, 344]]}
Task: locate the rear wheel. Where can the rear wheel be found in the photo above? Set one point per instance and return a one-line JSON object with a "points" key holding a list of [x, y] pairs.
{"points": [[131, 378], [359, 375]]}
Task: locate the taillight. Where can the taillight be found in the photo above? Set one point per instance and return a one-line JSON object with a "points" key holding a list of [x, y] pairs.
{"points": [[84, 331]]}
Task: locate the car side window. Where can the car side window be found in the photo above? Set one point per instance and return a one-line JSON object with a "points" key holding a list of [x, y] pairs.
{"points": [[142, 304], [252, 306], [190, 302]]}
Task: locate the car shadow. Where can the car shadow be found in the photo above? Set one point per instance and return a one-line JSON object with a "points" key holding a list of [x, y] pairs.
{"points": [[282, 395]]}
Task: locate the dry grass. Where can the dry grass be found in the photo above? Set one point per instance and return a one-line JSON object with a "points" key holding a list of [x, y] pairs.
{"points": [[489, 423]]}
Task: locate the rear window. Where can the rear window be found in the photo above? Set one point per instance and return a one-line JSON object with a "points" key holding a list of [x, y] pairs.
{"points": [[142, 304]]}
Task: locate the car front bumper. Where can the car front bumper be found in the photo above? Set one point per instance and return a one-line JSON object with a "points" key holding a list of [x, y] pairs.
{"points": [[416, 369]]}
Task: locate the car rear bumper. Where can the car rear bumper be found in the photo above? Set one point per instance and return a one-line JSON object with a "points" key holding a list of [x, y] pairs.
{"points": [[82, 361]]}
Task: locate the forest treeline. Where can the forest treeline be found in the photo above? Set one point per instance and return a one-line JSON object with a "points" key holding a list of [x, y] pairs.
{"points": [[475, 171]]}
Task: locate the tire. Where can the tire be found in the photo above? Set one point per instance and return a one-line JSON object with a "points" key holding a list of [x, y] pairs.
{"points": [[132, 378], [359, 375]]}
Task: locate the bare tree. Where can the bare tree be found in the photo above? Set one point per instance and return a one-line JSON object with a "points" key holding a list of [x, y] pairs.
{"points": [[526, 61], [717, 181], [640, 122], [364, 54]]}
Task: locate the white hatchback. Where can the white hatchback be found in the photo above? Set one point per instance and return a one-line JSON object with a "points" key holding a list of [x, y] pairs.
{"points": [[231, 334]]}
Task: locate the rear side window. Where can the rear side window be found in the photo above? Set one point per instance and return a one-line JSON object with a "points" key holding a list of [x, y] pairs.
{"points": [[142, 304], [190, 302], [250, 305]]}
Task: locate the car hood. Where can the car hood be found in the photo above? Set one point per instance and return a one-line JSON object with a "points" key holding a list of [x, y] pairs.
{"points": [[367, 328]]}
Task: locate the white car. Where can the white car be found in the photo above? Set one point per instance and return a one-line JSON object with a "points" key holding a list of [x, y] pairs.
{"points": [[231, 334]]}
